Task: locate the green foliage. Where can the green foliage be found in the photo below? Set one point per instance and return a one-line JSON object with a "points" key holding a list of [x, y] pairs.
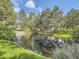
{"points": [[6, 12], [49, 19], [69, 52], [72, 18], [6, 32], [76, 33], [7, 19], [8, 50], [43, 24], [65, 34]]}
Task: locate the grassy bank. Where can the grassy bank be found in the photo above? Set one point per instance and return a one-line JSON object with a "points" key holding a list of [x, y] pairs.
{"points": [[8, 50]]}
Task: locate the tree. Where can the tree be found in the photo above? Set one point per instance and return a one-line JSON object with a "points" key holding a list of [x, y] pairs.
{"points": [[76, 34], [50, 19], [72, 18], [7, 20], [6, 12], [57, 18]]}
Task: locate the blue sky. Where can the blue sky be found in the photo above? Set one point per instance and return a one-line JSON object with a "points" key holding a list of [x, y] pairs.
{"points": [[39, 5]]}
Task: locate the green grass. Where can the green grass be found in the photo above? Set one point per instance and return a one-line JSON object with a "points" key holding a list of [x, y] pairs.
{"points": [[8, 50], [66, 34]]}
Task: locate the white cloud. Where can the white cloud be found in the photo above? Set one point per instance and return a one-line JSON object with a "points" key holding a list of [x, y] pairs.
{"points": [[30, 4], [40, 9], [17, 9]]}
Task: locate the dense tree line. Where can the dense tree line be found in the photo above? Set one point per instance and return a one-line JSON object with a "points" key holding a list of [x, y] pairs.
{"points": [[53, 21]]}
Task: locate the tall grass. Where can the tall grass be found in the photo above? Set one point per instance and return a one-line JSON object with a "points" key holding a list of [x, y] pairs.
{"points": [[69, 52]]}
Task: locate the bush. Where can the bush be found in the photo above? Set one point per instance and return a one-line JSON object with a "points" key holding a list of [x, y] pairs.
{"points": [[70, 52], [76, 34], [6, 33]]}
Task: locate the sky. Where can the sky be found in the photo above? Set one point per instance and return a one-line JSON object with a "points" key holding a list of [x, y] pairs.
{"points": [[38, 5]]}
